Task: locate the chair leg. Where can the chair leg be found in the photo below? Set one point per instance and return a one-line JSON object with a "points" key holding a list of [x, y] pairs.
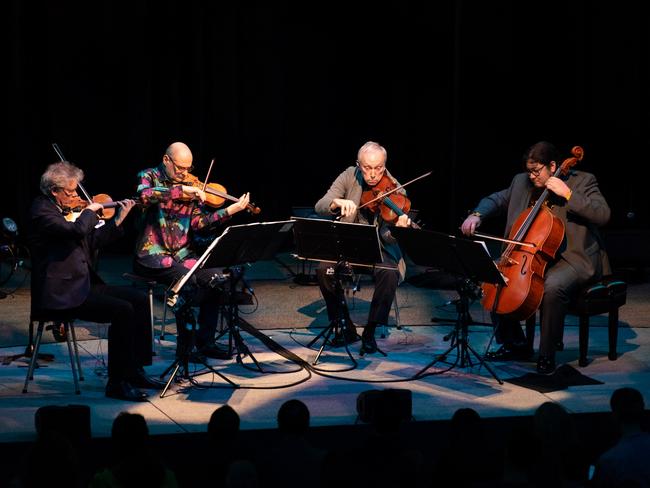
{"points": [[76, 351], [73, 357], [32, 361], [151, 322], [583, 338], [612, 327], [29, 350], [398, 324], [164, 319]]}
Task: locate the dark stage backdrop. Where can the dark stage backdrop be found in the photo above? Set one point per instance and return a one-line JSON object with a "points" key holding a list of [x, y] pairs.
{"points": [[282, 94]]}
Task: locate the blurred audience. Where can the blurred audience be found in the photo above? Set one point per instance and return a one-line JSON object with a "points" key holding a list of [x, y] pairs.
{"points": [[134, 465], [626, 464]]}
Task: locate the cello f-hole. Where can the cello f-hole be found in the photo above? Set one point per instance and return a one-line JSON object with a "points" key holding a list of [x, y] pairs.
{"points": [[523, 271]]}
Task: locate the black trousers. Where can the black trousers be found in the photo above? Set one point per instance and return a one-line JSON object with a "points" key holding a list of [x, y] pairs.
{"points": [[198, 291], [129, 333], [386, 281], [561, 283]]}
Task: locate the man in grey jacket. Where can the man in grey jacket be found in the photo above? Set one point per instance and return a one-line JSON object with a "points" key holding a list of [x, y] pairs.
{"points": [[343, 198], [576, 199]]}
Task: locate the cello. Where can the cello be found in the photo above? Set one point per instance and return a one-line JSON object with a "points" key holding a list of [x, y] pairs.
{"points": [[535, 237]]}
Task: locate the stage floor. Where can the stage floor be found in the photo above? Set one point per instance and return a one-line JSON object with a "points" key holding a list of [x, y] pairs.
{"points": [[330, 395], [289, 316]]}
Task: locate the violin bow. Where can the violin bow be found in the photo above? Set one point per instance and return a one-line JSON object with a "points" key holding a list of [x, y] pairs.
{"points": [[205, 182], [398, 187], [62, 157]]}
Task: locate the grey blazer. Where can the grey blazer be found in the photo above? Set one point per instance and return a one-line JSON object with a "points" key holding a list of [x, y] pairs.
{"points": [[585, 211], [349, 185]]}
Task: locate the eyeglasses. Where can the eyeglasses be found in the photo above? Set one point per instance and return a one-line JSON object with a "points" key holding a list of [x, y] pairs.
{"points": [[68, 193], [180, 169], [535, 172]]}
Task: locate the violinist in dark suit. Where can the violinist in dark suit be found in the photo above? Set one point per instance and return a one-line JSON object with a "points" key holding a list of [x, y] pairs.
{"points": [[63, 278], [577, 201], [344, 196]]}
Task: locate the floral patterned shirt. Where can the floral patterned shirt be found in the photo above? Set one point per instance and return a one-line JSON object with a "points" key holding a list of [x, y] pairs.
{"points": [[166, 222]]}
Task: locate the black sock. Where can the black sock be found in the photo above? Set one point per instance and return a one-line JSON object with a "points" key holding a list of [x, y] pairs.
{"points": [[369, 330]]}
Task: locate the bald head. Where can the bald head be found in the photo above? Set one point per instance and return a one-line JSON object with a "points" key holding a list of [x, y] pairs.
{"points": [[178, 161], [179, 151]]}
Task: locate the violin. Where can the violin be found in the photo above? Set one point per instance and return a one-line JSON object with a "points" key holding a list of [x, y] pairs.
{"points": [[73, 206], [215, 194], [384, 200], [536, 235]]}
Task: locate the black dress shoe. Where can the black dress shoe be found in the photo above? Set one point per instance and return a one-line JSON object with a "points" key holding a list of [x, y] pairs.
{"points": [[368, 345], [123, 390], [510, 353], [545, 365], [349, 336], [142, 381], [215, 352]]}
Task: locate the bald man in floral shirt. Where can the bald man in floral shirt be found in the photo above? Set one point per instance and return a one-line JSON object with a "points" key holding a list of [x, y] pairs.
{"points": [[174, 208]]}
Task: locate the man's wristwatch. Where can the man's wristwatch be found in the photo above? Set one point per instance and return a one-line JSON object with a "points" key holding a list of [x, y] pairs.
{"points": [[476, 214]]}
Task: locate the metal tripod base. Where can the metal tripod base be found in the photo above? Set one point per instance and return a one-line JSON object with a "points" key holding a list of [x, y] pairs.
{"points": [[460, 342], [335, 328], [183, 362]]}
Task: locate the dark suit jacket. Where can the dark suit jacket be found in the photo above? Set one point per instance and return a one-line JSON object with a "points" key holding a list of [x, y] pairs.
{"points": [[585, 211], [61, 254]]}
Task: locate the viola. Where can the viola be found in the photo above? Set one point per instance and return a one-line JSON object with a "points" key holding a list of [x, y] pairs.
{"points": [[536, 235], [383, 199], [216, 194]]}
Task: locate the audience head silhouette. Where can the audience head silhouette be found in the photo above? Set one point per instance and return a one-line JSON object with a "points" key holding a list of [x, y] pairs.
{"points": [[129, 432], [293, 417], [223, 424], [627, 405]]}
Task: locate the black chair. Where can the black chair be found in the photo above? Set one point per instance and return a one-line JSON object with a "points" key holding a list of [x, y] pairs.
{"points": [[605, 296], [55, 317]]}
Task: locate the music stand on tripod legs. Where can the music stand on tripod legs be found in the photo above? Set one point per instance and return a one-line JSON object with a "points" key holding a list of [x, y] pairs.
{"points": [[339, 324], [181, 363], [239, 244], [471, 262], [342, 245], [236, 344]]}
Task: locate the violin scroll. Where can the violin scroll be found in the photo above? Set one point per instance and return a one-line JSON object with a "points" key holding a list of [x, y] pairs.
{"points": [[577, 154]]}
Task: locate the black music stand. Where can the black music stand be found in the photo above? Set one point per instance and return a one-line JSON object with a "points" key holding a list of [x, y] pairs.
{"points": [[240, 244], [343, 245], [245, 244], [467, 259]]}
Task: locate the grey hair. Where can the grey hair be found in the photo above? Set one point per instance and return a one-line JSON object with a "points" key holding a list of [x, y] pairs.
{"points": [[371, 146], [58, 175]]}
